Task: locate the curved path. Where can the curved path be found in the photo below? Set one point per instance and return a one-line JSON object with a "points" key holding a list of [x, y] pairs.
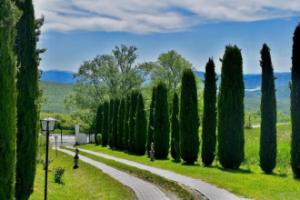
{"points": [[210, 191], [142, 189]]}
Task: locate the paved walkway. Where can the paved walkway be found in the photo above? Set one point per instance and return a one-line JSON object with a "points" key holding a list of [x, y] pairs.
{"points": [[143, 190], [210, 191]]}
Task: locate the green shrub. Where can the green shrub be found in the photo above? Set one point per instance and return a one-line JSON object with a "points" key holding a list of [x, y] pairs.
{"points": [[58, 175]]}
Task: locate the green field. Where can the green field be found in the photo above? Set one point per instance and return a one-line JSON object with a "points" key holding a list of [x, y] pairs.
{"points": [[54, 95], [86, 183], [249, 181]]}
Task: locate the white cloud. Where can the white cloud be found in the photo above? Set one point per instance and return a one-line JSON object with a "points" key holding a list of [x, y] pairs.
{"points": [[148, 16]]}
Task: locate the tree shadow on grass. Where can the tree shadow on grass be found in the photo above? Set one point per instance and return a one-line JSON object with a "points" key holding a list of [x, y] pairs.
{"points": [[236, 171]]}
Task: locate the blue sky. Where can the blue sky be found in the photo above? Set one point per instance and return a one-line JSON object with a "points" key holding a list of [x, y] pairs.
{"points": [[77, 30]]}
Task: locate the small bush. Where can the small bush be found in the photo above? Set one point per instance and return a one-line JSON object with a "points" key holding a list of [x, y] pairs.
{"points": [[58, 175]]}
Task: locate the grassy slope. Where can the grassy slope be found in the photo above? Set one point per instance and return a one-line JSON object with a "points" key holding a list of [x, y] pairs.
{"points": [[249, 181], [86, 183], [54, 95]]}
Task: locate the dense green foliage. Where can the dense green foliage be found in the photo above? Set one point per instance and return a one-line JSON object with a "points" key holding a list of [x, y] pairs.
{"points": [[161, 135], [132, 120], [105, 133], [188, 118], [115, 123], [209, 114], [28, 98], [126, 122], [169, 69], [231, 110], [175, 148], [121, 121], [99, 123], [7, 101], [150, 130], [110, 123], [140, 126], [295, 104], [268, 113]]}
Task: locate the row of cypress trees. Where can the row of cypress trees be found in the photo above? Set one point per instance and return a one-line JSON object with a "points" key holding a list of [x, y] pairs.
{"points": [[19, 33], [122, 124], [225, 116]]}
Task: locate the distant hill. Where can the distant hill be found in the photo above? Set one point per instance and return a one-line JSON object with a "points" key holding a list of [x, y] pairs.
{"points": [[58, 84], [54, 95], [58, 76], [253, 93]]}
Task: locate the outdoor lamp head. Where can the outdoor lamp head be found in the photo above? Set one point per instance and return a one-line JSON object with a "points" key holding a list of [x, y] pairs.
{"points": [[48, 124]]}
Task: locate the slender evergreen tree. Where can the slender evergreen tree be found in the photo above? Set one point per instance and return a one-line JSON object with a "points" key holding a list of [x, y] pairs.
{"points": [[105, 124], [140, 126], [126, 122], [110, 123], [98, 123], [7, 101], [209, 115], [189, 119], [132, 118], [151, 121], [295, 104], [231, 110], [121, 122], [27, 99], [115, 123], [175, 148], [161, 122], [268, 141]]}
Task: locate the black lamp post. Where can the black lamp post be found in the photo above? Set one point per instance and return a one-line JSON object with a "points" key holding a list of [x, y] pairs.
{"points": [[47, 125]]}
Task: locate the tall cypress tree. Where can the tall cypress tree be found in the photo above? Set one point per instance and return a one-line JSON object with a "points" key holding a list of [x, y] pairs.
{"points": [[115, 123], [121, 121], [140, 126], [189, 119], [105, 125], [28, 99], [209, 115], [231, 110], [161, 122], [110, 123], [98, 123], [295, 104], [7, 100], [268, 113], [175, 149], [132, 116], [151, 121], [126, 122]]}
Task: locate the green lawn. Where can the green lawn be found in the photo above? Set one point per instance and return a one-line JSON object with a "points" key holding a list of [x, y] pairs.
{"points": [[249, 181], [86, 183]]}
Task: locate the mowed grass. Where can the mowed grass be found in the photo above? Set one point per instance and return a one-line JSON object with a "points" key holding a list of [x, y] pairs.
{"points": [[249, 181], [86, 183]]}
